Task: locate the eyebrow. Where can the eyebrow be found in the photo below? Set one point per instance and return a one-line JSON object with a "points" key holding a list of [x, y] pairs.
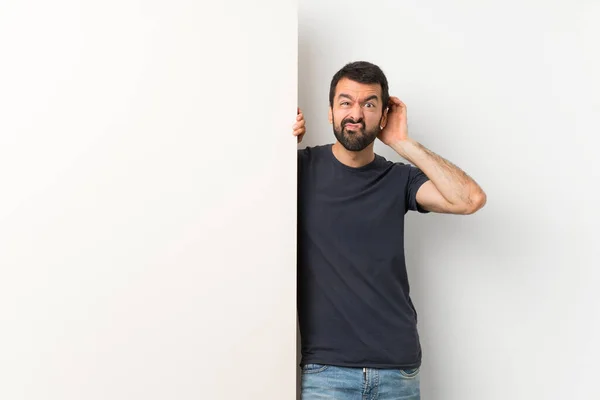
{"points": [[372, 97]]}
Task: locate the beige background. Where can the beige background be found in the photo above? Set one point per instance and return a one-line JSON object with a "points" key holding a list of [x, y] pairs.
{"points": [[507, 298]]}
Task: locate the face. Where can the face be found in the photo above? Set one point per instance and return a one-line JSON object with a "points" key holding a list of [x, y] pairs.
{"points": [[357, 114]]}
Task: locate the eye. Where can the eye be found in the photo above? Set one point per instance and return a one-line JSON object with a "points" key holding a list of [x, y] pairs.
{"points": [[343, 103], [370, 105]]}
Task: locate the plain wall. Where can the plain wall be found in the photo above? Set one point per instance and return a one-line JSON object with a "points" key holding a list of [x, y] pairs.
{"points": [[508, 298], [148, 199]]}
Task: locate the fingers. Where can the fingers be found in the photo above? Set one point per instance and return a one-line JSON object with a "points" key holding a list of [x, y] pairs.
{"points": [[396, 104], [300, 123], [299, 128]]}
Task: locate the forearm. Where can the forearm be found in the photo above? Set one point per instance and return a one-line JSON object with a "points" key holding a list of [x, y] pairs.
{"points": [[452, 182]]}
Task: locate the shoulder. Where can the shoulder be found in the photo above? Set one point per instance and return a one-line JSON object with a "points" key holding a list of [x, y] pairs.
{"points": [[311, 152], [395, 167], [404, 168], [407, 173]]}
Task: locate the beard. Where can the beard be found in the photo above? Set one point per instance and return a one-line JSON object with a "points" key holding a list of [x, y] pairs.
{"points": [[355, 140]]}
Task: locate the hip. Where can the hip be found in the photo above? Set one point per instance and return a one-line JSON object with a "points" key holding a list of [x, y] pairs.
{"points": [[322, 381]]}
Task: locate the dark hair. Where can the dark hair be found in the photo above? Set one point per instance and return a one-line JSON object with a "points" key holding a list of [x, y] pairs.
{"points": [[361, 72]]}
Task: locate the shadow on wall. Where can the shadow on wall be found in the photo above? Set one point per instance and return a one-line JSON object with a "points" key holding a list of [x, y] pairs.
{"points": [[313, 92]]}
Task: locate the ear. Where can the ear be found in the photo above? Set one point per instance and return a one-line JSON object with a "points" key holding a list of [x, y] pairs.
{"points": [[383, 122], [330, 115]]}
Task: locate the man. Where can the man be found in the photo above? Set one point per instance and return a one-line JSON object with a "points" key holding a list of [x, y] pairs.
{"points": [[357, 321]]}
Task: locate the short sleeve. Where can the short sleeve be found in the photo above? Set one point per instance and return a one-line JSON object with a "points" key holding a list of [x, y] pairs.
{"points": [[303, 158], [416, 178], [302, 155]]}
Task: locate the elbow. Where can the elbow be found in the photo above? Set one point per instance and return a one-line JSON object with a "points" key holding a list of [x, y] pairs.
{"points": [[476, 203]]}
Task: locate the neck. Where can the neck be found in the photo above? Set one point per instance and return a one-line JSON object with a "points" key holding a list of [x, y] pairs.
{"points": [[354, 159]]}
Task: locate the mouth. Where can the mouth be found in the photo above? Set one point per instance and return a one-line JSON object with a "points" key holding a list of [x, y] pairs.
{"points": [[353, 126]]}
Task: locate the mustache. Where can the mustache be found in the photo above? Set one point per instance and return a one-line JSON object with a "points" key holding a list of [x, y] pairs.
{"points": [[352, 121]]}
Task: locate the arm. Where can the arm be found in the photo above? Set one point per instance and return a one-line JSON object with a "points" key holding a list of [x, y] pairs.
{"points": [[450, 190]]}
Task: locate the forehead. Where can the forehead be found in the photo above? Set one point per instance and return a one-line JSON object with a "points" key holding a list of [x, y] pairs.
{"points": [[356, 89]]}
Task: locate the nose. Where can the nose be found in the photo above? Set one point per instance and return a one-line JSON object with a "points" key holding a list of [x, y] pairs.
{"points": [[356, 113]]}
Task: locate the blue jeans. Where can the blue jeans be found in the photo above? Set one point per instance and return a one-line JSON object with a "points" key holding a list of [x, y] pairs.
{"points": [[327, 382]]}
